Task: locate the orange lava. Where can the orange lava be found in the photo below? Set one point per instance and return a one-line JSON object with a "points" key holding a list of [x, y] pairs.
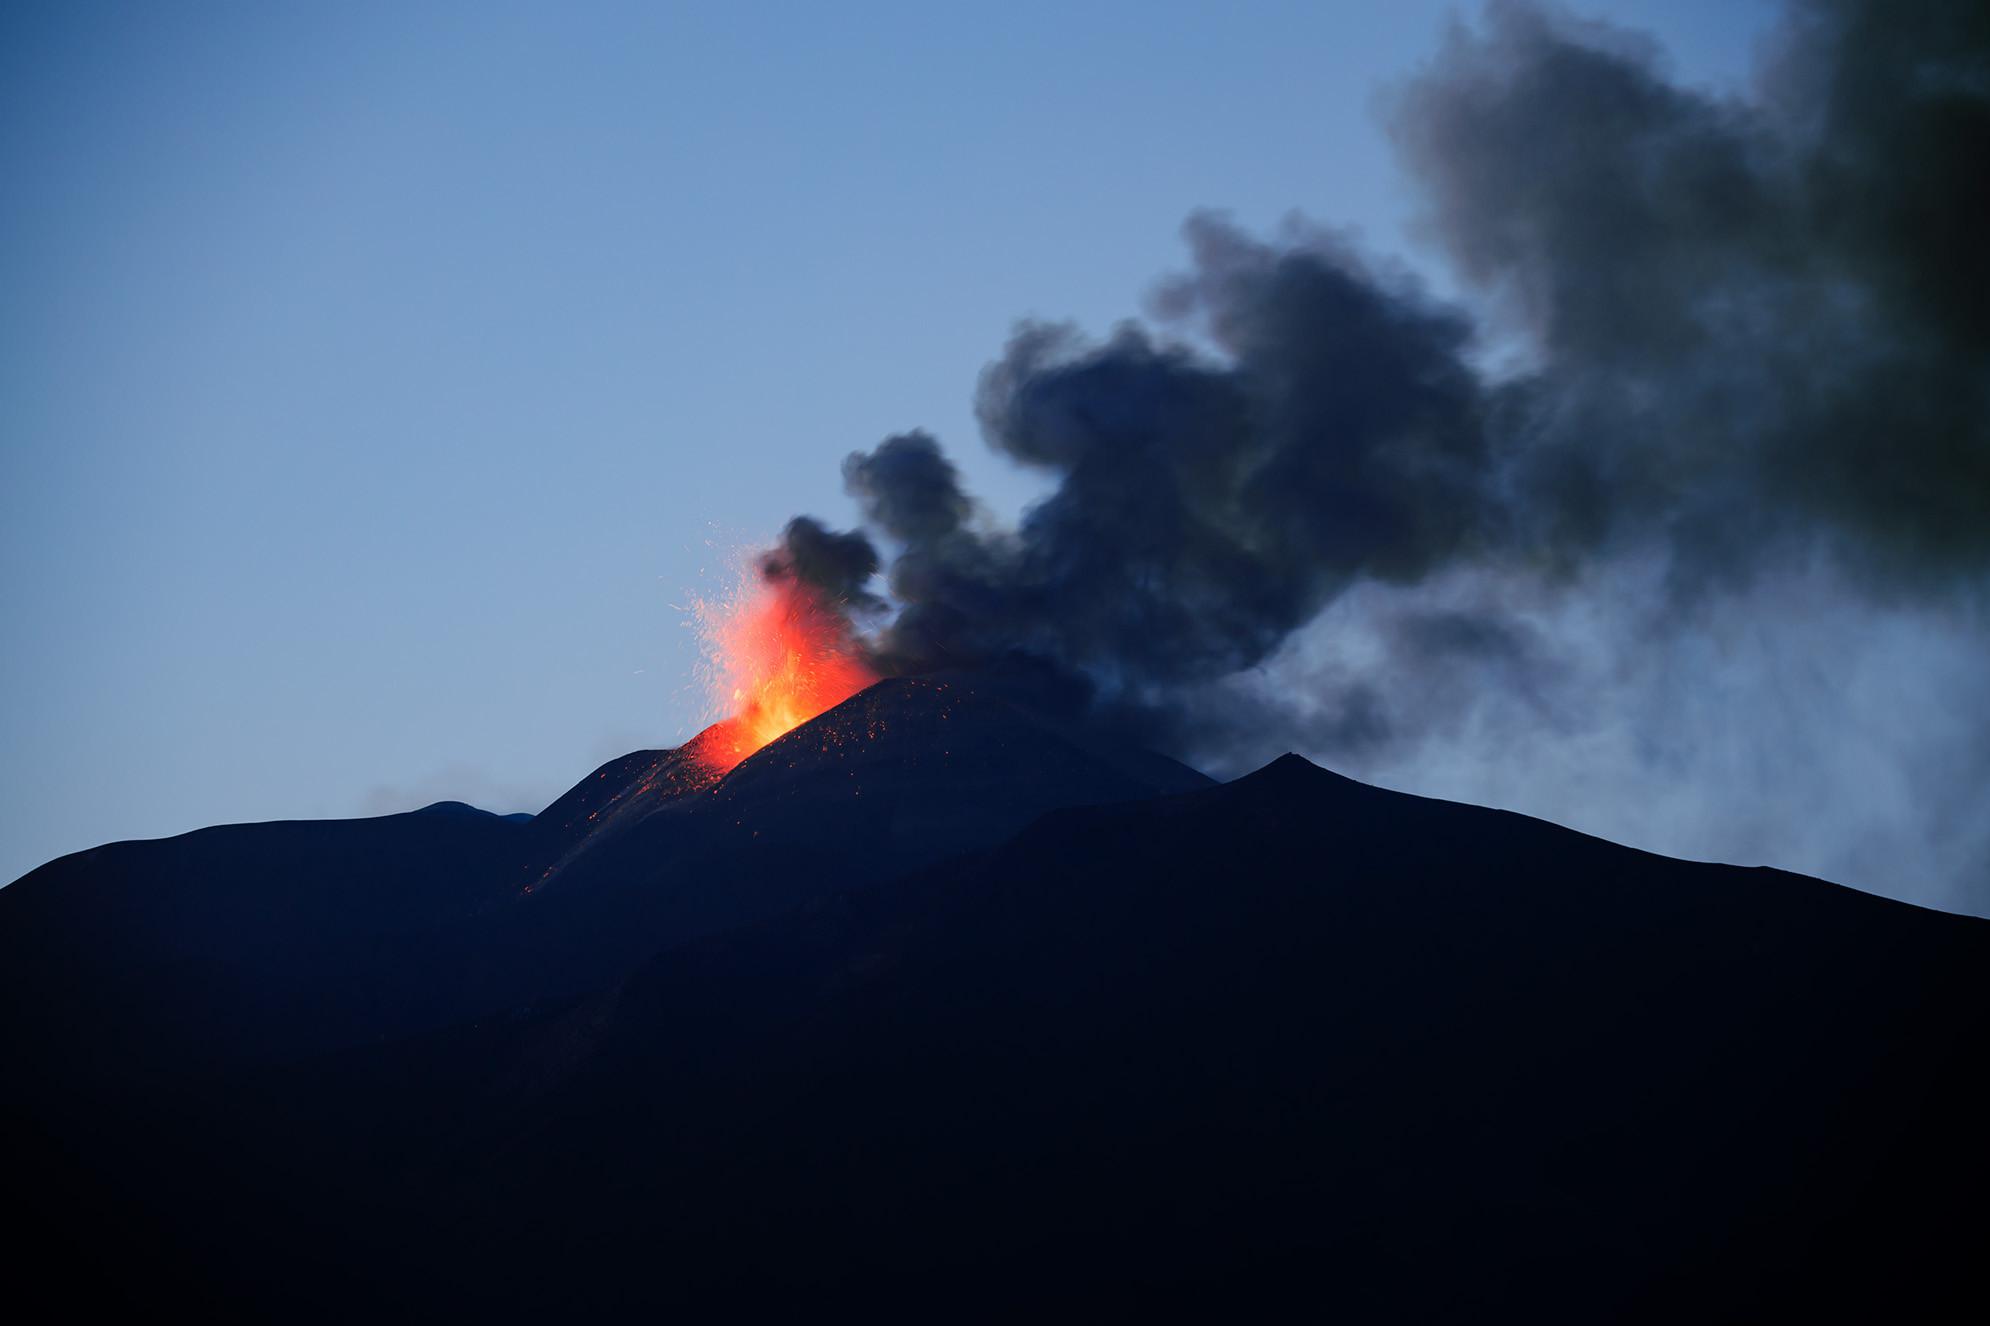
{"points": [[776, 655]]}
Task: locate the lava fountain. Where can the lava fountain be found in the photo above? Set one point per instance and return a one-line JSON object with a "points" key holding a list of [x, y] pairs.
{"points": [[777, 653]]}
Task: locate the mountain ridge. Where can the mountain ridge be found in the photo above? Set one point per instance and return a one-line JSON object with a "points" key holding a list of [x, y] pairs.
{"points": [[1287, 1039]]}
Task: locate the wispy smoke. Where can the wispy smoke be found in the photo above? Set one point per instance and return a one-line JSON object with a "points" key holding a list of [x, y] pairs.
{"points": [[1746, 386]]}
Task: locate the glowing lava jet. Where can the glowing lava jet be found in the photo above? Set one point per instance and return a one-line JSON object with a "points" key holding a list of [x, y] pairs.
{"points": [[777, 653]]}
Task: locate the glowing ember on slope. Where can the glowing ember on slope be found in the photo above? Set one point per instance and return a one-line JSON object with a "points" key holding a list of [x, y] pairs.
{"points": [[776, 655]]}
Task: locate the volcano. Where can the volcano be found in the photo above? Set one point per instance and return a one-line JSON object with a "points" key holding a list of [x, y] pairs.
{"points": [[940, 1005]]}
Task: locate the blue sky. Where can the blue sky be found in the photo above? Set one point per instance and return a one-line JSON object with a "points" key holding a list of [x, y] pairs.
{"points": [[374, 379]]}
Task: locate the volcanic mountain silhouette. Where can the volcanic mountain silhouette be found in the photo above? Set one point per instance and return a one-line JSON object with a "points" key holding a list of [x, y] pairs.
{"points": [[939, 1007]]}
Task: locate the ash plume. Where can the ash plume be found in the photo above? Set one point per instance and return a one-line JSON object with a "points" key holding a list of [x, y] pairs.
{"points": [[836, 565], [1718, 360]]}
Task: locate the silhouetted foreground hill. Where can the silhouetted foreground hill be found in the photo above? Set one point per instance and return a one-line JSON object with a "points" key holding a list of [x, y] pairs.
{"points": [[1289, 1045], [264, 940]]}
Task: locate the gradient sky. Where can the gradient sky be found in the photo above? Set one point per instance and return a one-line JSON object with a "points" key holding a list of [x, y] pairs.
{"points": [[374, 379]]}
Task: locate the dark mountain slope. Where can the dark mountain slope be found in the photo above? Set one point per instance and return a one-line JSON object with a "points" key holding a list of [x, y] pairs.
{"points": [[1293, 1040], [908, 772], [273, 940], [1291, 1044], [243, 936]]}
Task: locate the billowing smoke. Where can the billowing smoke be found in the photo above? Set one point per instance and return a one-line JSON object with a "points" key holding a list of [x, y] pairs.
{"points": [[1722, 368], [837, 564]]}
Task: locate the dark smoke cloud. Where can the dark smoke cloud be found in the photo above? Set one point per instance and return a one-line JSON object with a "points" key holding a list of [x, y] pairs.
{"points": [[1744, 338], [838, 565], [1207, 505], [1754, 321]]}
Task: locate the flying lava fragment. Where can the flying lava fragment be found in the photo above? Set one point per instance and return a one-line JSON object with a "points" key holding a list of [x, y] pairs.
{"points": [[777, 653]]}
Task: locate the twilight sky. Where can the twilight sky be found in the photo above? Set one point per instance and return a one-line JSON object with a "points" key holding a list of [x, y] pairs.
{"points": [[375, 379]]}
